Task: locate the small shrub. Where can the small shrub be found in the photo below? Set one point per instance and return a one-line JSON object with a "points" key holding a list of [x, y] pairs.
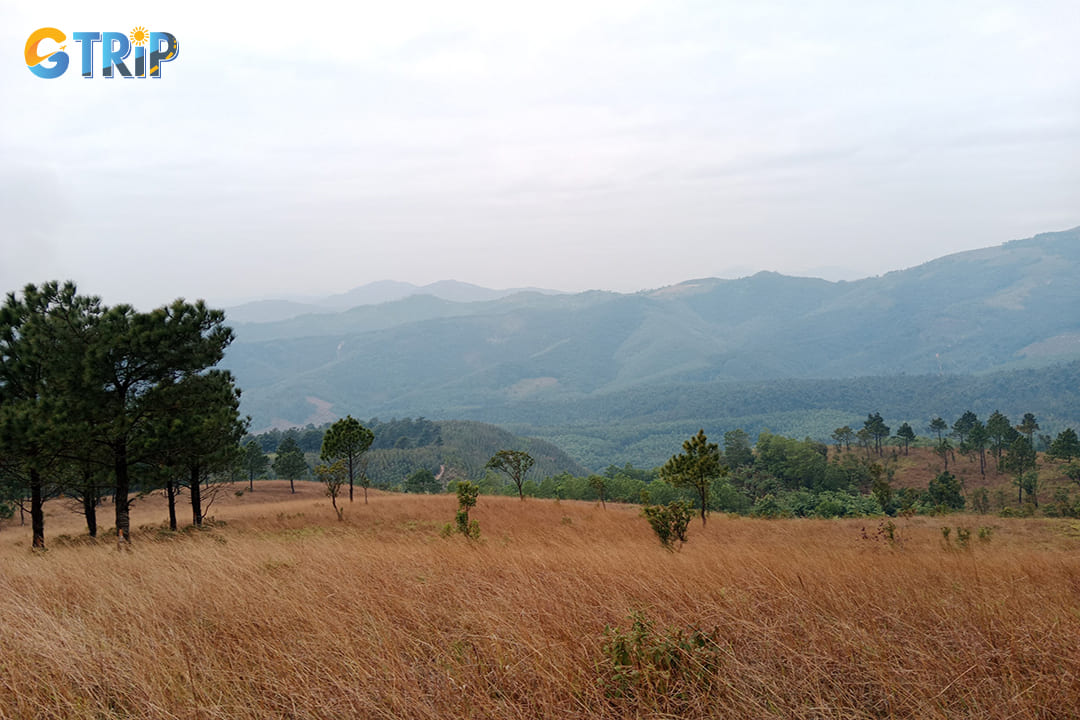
{"points": [[980, 500], [669, 522], [466, 495], [659, 670], [963, 537], [985, 533], [1062, 506], [887, 532], [887, 528]]}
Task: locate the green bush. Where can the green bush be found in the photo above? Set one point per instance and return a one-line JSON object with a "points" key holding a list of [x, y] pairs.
{"points": [[669, 522], [768, 507], [980, 500], [466, 495], [944, 491]]}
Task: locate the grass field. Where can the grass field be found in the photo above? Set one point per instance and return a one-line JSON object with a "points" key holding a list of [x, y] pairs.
{"points": [[281, 611]]}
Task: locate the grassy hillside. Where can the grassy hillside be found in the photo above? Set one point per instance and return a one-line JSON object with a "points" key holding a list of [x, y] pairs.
{"points": [[284, 612]]}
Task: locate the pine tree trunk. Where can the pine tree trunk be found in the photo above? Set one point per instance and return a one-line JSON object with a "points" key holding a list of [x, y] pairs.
{"points": [[90, 501], [37, 509], [196, 497], [120, 499], [170, 492]]}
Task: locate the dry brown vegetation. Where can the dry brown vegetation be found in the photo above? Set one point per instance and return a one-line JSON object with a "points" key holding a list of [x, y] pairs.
{"points": [[284, 612]]}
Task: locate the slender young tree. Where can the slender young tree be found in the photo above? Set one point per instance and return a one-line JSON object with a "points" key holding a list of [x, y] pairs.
{"points": [[866, 441], [599, 483], [1021, 462], [1027, 428], [938, 426], [290, 463], [348, 440], [977, 438], [695, 467], [255, 462], [943, 448], [1000, 433], [333, 477], [514, 464], [906, 435], [875, 425], [843, 436]]}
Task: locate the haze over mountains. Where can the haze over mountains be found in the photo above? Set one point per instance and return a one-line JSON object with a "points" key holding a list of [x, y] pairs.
{"points": [[383, 291], [547, 362]]}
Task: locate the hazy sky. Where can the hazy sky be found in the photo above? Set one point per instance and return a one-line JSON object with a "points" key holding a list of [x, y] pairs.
{"points": [[617, 144]]}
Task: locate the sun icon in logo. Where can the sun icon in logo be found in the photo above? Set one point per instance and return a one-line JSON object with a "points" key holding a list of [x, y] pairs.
{"points": [[139, 36]]}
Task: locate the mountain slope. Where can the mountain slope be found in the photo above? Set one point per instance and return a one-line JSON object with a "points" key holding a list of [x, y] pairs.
{"points": [[278, 312], [1011, 306]]}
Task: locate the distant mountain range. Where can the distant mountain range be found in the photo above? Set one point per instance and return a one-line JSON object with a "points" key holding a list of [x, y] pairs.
{"points": [[376, 293], [546, 360]]}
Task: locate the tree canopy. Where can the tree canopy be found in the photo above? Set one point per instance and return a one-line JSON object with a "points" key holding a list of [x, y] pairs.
{"points": [[290, 463], [83, 384], [695, 468], [348, 440], [515, 464]]}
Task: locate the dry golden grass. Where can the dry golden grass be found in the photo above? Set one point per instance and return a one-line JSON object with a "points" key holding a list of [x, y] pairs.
{"points": [[284, 612], [921, 464]]}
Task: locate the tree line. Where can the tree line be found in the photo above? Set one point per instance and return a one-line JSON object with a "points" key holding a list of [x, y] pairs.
{"points": [[104, 401], [778, 475]]}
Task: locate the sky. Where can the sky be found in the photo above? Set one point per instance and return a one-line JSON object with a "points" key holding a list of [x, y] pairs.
{"points": [[610, 144]]}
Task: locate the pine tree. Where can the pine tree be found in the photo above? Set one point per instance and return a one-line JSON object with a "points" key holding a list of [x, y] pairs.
{"points": [[348, 440], [695, 468]]}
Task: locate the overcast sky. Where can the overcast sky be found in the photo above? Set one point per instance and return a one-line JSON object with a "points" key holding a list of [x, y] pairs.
{"points": [[620, 144]]}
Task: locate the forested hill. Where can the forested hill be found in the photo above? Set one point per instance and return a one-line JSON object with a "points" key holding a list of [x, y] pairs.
{"points": [[1008, 307], [450, 449]]}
